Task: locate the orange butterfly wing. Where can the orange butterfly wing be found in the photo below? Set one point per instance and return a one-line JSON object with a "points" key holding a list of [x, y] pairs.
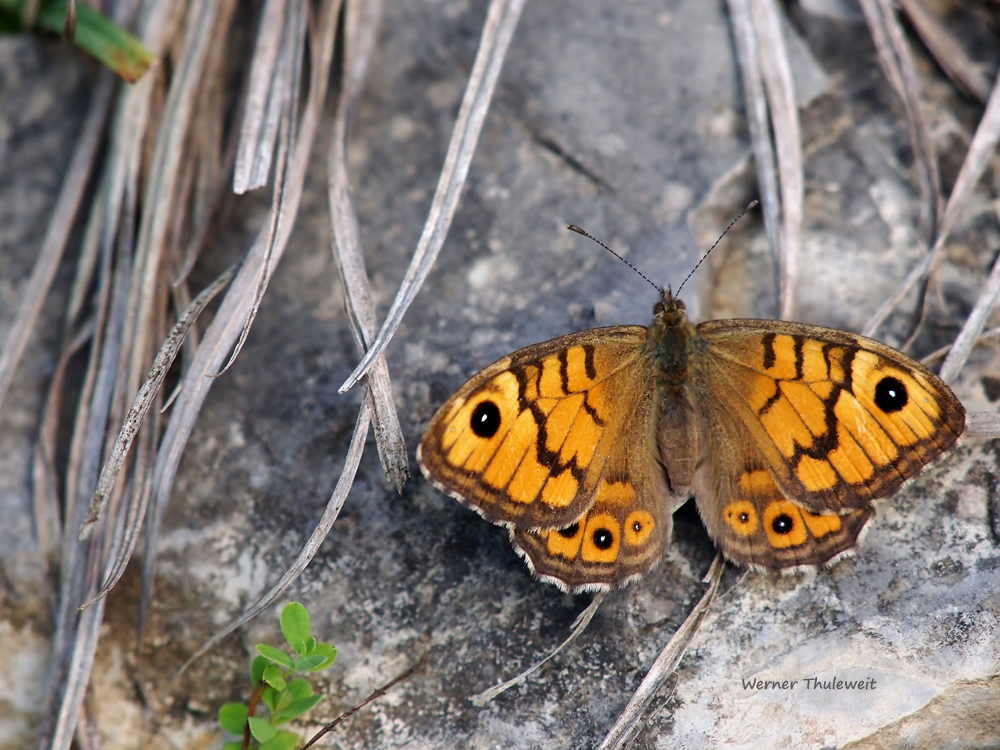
{"points": [[839, 419], [526, 440], [809, 426], [558, 442]]}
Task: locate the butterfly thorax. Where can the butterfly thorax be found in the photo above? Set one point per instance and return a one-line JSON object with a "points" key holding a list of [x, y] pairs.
{"points": [[669, 340]]}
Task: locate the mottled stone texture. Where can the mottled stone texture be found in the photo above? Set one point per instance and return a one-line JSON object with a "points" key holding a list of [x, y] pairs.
{"points": [[626, 118]]}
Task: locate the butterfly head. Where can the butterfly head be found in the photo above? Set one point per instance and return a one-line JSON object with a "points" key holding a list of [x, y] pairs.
{"points": [[668, 308]]}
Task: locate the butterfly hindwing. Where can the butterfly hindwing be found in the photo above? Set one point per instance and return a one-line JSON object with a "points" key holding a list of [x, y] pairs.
{"points": [[755, 525], [627, 529], [620, 538]]}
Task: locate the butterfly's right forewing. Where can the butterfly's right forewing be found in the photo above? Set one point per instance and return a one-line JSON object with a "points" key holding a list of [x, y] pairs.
{"points": [[839, 419]]}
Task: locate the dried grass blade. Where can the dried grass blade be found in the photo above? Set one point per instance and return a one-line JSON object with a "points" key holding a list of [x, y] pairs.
{"points": [[267, 92], [144, 398], [129, 536], [212, 194], [87, 255], [634, 717], [983, 425], [974, 324], [161, 195], [886, 308], [777, 75], [980, 153], [194, 386], [983, 338], [947, 50], [579, 625], [501, 21], [312, 545], [80, 662], [70, 651], [894, 56], [81, 422], [361, 20], [760, 126], [45, 494], [280, 223], [113, 209], [229, 321], [57, 232], [83, 648], [111, 218], [207, 144]]}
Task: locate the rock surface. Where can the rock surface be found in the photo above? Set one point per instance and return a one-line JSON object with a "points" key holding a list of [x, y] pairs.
{"points": [[627, 119]]}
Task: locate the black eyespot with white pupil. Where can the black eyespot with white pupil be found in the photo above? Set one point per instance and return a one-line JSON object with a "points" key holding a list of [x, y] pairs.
{"points": [[637, 526], [486, 419], [744, 517], [890, 395], [603, 539], [783, 524]]}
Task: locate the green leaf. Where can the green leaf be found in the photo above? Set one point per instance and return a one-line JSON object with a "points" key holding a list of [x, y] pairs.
{"points": [[274, 677], [299, 688], [233, 745], [95, 33], [309, 663], [329, 653], [269, 696], [261, 729], [233, 717], [282, 740], [295, 626], [310, 645], [257, 667], [276, 655], [284, 700], [297, 708]]}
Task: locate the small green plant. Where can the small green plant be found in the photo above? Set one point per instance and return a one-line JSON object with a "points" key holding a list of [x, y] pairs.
{"points": [[93, 32], [285, 698]]}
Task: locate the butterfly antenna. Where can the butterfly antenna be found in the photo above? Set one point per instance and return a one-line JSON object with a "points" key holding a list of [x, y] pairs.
{"points": [[752, 204], [578, 230]]}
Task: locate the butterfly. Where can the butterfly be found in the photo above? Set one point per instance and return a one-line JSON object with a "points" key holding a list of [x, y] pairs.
{"points": [[784, 433]]}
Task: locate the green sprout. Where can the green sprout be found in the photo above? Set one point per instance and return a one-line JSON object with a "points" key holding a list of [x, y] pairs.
{"points": [[284, 697], [97, 34]]}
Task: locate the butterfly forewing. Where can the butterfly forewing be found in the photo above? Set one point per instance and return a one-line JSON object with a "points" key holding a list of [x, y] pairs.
{"points": [[526, 441]]}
